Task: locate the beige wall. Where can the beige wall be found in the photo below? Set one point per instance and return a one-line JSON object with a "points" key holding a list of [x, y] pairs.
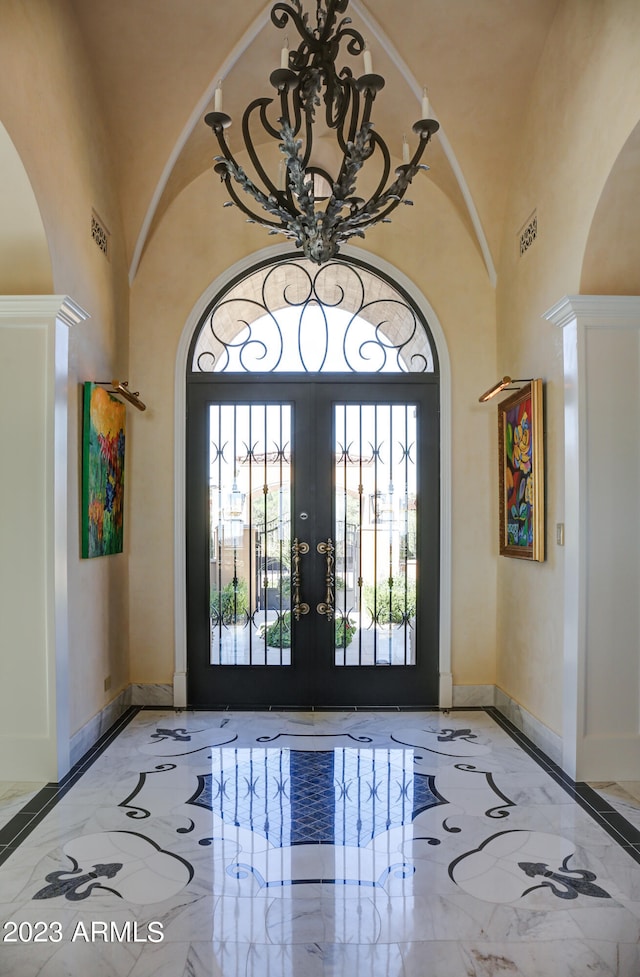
{"points": [[585, 102], [50, 113], [196, 242]]}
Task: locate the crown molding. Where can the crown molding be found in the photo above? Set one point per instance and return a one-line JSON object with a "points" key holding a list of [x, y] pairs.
{"points": [[600, 310], [29, 307]]}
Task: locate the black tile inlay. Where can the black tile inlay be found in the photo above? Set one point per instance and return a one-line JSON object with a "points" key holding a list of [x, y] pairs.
{"points": [[50, 792], [616, 826], [624, 828], [5, 852], [15, 826], [634, 851]]}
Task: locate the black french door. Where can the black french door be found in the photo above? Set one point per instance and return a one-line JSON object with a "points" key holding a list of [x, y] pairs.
{"points": [[313, 541]]}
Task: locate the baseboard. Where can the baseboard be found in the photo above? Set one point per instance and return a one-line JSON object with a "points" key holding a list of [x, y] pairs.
{"points": [[151, 695], [543, 737], [473, 695], [90, 733]]}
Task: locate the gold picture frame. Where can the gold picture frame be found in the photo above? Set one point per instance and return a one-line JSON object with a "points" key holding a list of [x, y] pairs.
{"points": [[521, 459]]}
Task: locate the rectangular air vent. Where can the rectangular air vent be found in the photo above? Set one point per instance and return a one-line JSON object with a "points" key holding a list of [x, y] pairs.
{"points": [[528, 233], [100, 234]]}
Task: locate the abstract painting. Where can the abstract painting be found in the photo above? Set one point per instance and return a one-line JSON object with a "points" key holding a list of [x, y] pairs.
{"points": [[522, 473], [102, 472]]}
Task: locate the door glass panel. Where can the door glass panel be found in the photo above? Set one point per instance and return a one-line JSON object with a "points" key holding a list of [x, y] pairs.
{"points": [[250, 534], [375, 530]]}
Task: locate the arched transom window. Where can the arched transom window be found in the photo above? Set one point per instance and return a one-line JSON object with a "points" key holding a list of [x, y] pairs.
{"points": [[292, 317]]}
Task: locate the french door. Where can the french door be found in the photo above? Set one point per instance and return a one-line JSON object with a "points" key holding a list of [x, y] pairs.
{"points": [[313, 541]]}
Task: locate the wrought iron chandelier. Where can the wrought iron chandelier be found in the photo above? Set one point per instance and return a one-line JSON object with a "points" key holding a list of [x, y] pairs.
{"points": [[318, 211]]}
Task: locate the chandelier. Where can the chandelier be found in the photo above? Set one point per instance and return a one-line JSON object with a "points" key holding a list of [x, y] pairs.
{"points": [[319, 211]]}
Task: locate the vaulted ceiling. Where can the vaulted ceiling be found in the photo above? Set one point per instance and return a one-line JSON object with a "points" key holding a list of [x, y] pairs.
{"points": [[156, 64]]}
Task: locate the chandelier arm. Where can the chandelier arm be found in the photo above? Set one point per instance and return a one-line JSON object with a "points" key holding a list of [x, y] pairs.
{"points": [[356, 153], [369, 98], [248, 141], [222, 143], [398, 188], [285, 113], [299, 59], [372, 213], [356, 45], [270, 204], [355, 113], [356, 127], [287, 13], [393, 196], [338, 99], [378, 141], [291, 147], [308, 140], [238, 201], [423, 141], [344, 141], [262, 104]]}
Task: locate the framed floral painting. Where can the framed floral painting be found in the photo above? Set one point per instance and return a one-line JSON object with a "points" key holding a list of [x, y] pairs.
{"points": [[521, 446]]}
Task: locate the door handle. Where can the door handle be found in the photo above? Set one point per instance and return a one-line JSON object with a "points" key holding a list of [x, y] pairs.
{"points": [[327, 606], [298, 549]]}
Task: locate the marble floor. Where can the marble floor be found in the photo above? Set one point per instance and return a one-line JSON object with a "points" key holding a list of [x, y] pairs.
{"points": [[325, 844]]}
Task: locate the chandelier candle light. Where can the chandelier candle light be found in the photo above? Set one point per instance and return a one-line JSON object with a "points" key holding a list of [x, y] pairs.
{"points": [[307, 78]]}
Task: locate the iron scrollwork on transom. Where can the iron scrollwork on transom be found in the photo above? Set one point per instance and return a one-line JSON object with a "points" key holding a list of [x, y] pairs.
{"points": [[293, 317]]}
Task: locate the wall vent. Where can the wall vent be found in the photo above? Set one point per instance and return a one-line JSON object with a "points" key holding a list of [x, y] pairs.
{"points": [[528, 233], [100, 234]]}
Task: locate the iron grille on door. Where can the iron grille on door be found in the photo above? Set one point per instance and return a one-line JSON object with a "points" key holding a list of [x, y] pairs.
{"points": [[250, 534]]}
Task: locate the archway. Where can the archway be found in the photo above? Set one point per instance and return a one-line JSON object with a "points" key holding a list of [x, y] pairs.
{"points": [[611, 264], [443, 681], [25, 265]]}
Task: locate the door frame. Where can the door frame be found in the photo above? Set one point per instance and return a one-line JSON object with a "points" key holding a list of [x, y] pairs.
{"points": [[445, 698]]}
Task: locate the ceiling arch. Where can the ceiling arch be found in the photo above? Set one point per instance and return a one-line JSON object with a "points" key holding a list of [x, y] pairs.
{"points": [[611, 264], [179, 170], [25, 265]]}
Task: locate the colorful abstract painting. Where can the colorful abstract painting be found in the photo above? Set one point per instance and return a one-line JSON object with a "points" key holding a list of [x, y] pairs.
{"points": [[522, 474], [102, 472]]}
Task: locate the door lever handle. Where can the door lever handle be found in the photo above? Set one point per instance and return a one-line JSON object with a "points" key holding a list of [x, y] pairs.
{"points": [[298, 549], [327, 606]]}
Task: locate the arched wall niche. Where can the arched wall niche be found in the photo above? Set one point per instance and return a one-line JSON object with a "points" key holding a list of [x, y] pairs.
{"points": [[25, 264], [611, 264]]}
